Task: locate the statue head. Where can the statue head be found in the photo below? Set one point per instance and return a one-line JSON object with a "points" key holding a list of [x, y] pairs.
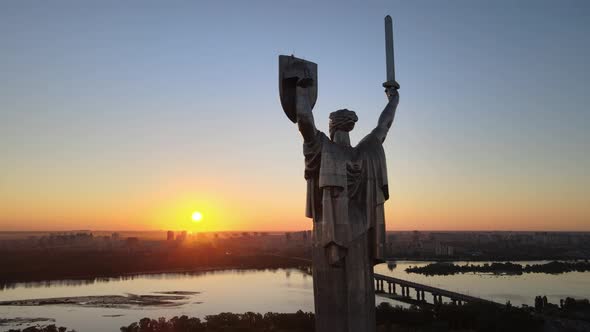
{"points": [[342, 121]]}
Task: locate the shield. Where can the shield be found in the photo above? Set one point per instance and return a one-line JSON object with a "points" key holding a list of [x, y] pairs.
{"points": [[292, 69]]}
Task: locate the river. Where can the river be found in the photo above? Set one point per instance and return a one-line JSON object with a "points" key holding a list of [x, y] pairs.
{"points": [[282, 290]]}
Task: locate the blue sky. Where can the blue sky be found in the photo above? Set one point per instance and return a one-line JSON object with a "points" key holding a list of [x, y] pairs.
{"points": [[113, 101]]}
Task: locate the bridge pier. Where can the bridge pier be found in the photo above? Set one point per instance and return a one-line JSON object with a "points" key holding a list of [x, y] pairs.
{"points": [[379, 285], [437, 299]]}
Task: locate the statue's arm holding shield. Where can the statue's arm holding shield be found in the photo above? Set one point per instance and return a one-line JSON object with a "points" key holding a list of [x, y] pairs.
{"points": [[305, 120], [299, 91]]}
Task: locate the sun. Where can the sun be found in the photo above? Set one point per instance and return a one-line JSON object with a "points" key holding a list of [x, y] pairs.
{"points": [[197, 216]]}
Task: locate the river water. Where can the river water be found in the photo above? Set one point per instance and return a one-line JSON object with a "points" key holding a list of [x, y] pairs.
{"points": [[238, 291]]}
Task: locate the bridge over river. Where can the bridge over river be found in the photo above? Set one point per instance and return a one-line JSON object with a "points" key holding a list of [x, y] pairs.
{"points": [[420, 290]]}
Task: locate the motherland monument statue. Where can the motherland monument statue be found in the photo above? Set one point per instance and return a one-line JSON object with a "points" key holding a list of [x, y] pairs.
{"points": [[346, 191]]}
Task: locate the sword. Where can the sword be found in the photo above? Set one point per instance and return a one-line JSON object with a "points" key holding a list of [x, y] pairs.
{"points": [[389, 57]]}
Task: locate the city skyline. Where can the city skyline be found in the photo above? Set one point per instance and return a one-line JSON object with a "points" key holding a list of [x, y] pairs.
{"points": [[132, 116]]}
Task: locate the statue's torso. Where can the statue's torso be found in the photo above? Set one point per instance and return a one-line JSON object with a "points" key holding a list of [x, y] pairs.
{"points": [[345, 190]]}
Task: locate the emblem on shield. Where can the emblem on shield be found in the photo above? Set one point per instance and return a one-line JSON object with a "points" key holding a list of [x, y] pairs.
{"points": [[291, 70]]}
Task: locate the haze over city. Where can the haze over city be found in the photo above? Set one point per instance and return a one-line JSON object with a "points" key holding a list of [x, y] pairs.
{"points": [[114, 117]]}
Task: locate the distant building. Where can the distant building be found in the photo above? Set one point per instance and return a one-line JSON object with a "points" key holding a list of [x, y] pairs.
{"points": [[132, 242], [181, 237], [170, 236], [442, 249]]}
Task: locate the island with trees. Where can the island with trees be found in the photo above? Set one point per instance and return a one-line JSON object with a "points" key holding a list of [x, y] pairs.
{"points": [[553, 267]]}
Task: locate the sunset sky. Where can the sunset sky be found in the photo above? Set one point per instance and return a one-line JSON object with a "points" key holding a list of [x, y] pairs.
{"points": [[131, 115]]}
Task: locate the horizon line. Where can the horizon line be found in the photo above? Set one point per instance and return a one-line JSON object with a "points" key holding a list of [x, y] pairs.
{"points": [[284, 231]]}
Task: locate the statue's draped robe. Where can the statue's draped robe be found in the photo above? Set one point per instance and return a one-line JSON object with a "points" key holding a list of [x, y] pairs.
{"points": [[346, 189]]}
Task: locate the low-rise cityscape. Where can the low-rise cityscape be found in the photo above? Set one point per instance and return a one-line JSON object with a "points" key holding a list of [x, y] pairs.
{"points": [[427, 245]]}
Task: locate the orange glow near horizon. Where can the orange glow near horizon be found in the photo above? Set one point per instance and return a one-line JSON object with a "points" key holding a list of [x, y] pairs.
{"points": [[179, 213], [266, 203]]}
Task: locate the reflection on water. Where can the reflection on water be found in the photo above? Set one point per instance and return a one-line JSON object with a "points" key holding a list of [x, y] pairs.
{"points": [[280, 290], [90, 281]]}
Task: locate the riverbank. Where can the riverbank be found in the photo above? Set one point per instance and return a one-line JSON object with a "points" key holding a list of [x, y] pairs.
{"points": [[445, 318]]}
